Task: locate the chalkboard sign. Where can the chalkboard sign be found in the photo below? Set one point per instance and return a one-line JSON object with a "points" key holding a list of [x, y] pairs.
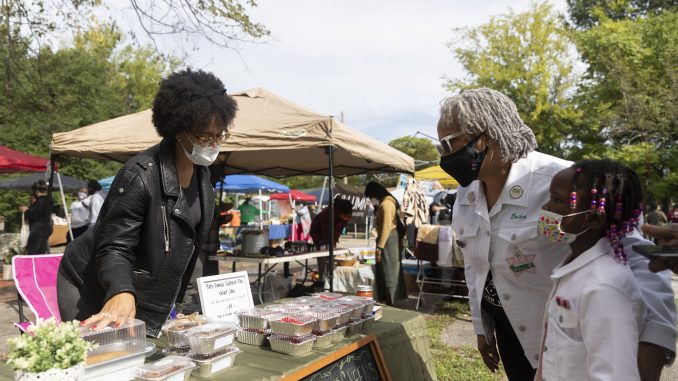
{"points": [[359, 361]]}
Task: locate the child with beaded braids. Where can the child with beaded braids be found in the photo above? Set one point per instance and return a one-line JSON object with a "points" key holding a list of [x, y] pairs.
{"points": [[595, 311]]}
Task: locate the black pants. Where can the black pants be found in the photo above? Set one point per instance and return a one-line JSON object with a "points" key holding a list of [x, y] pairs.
{"points": [[516, 365], [73, 302]]}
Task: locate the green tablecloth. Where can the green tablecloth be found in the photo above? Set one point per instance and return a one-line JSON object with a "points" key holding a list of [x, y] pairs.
{"points": [[401, 335]]}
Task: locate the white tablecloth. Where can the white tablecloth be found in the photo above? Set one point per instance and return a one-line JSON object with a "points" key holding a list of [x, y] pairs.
{"points": [[347, 279]]}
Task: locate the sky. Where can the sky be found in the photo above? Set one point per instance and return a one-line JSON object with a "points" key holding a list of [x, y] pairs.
{"points": [[382, 63]]}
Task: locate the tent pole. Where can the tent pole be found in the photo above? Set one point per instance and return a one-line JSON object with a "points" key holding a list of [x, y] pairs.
{"points": [[261, 211], [63, 201], [329, 150]]}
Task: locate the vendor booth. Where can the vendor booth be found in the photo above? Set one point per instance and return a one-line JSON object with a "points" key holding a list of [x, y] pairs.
{"points": [[274, 137]]}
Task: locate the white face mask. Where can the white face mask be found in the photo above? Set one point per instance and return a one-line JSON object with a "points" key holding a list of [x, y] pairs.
{"points": [[200, 155], [82, 195], [374, 201], [549, 225]]}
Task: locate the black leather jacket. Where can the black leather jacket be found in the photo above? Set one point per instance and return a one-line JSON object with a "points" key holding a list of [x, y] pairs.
{"points": [[143, 241]]}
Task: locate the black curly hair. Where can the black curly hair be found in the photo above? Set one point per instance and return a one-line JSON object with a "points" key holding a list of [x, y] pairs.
{"points": [[189, 101], [614, 191]]}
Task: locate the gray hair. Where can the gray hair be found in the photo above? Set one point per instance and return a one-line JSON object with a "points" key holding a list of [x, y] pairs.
{"points": [[486, 110]]}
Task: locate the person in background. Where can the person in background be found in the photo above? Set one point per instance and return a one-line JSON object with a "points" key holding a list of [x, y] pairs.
{"points": [[320, 229], [39, 218], [488, 149], [79, 215], [248, 212], [595, 311], [655, 216], [138, 258], [674, 214], [302, 222], [389, 272], [95, 200]]}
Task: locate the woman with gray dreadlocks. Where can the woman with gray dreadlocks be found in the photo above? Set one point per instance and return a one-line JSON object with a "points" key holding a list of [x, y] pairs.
{"points": [[488, 149]]}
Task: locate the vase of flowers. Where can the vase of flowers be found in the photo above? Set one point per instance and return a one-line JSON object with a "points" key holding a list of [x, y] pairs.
{"points": [[49, 351]]}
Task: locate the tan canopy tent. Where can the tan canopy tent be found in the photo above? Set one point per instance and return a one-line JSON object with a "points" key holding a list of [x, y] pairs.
{"points": [[270, 136]]}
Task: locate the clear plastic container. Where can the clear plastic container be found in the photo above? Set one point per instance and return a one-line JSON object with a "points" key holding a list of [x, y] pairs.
{"points": [[207, 365], [170, 368], [339, 332], [326, 319], [323, 339], [175, 330], [115, 343], [211, 337], [354, 327], [292, 345], [355, 307], [293, 325], [328, 295], [344, 312], [253, 336], [256, 318], [367, 303]]}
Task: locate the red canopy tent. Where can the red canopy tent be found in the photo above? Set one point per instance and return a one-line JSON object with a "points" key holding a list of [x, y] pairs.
{"points": [[294, 195], [15, 161]]}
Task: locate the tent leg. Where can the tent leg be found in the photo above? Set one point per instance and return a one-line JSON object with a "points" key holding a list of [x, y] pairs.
{"points": [[63, 201], [329, 150], [261, 211]]}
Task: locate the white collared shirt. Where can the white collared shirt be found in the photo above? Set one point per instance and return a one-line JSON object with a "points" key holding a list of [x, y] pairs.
{"points": [[594, 317], [505, 241]]}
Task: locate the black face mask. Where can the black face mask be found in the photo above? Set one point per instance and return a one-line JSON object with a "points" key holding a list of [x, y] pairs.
{"points": [[464, 165]]}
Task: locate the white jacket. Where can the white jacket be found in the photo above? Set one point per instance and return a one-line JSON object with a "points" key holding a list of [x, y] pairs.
{"points": [[505, 241], [595, 335]]}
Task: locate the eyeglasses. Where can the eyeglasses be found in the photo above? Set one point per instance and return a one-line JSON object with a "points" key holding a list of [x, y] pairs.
{"points": [[445, 146], [207, 141]]}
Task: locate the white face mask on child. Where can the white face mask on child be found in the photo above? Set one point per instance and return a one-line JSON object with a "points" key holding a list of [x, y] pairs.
{"points": [[549, 225]]}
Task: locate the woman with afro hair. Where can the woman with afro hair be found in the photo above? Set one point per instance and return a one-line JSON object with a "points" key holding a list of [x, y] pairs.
{"points": [[137, 259]]}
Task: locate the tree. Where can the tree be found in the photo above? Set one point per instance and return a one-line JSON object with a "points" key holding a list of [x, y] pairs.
{"points": [[421, 149], [97, 78], [630, 95], [528, 57], [585, 14]]}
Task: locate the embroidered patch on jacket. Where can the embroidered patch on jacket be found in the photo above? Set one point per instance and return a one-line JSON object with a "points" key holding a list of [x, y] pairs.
{"points": [[518, 216], [520, 263]]}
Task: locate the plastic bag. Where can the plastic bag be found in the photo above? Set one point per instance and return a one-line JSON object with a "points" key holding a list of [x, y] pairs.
{"points": [[25, 231]]}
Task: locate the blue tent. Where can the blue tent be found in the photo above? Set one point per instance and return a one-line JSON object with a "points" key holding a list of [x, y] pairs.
{"points": [[249, 183], [106, 183]]}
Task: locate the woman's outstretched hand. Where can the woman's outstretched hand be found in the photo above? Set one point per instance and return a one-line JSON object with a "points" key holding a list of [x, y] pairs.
{"points": [[118, 310]]}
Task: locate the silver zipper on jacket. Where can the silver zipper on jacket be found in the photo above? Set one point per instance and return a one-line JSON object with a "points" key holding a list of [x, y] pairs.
{"points": [[165, 229]]}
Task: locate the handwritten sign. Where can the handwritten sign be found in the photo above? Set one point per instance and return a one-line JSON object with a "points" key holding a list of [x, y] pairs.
{"points": [[359, 361], [223, 295]]}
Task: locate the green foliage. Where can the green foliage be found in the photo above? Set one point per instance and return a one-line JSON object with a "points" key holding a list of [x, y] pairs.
{"points": [[528, 57], [99, 77], [455, 363], [48, 345], [419, 148], [630, 97], [585, 14]]}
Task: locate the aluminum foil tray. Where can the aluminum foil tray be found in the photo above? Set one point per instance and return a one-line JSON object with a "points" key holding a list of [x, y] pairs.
{"points": [[291, 345], [293, 325], [354, 327], [215, 362], [326, 319], [323, 339], [253, 337], [339, 333], [171, 368], [211, 337], [256, 318]]}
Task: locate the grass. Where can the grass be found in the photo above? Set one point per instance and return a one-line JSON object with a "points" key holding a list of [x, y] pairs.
{"points": [[455, 363]]}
